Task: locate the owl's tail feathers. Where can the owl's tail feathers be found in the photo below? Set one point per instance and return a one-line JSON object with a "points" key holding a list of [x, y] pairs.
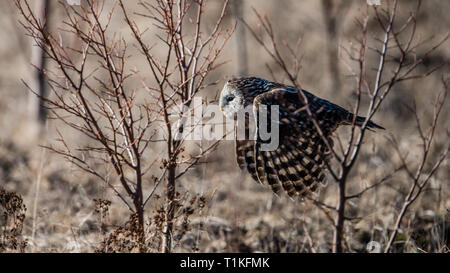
{"points": [[360, 120]]}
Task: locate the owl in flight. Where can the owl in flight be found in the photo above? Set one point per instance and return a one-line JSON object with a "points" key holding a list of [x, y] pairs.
{"points": [[298, 162]]}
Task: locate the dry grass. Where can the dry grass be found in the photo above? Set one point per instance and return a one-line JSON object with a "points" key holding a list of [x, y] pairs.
{"points": [[218, 207]]}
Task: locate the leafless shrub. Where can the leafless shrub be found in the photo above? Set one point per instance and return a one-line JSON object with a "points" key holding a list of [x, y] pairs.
{"points": [[398, 61], [90, 93], [422, 175]]}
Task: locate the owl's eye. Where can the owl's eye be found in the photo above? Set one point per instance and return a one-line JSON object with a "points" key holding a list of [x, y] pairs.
{"points": [[230, 98]]}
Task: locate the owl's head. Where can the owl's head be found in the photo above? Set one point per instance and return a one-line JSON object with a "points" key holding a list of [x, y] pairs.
{"points": [[238, 93], [231, 99]]}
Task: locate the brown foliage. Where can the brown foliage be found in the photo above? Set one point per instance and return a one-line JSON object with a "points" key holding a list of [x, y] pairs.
{"points": [[12, 213]]}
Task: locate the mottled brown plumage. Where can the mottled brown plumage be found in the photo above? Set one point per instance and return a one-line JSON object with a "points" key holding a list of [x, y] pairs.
{"points": [[297, 164]]}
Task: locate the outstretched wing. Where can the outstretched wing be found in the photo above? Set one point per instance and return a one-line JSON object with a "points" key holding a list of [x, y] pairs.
{"points": [[245, 154], [297, 163]]}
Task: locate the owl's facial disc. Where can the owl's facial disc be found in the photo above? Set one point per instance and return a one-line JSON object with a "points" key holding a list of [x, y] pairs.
{"points": [[231, 100]]}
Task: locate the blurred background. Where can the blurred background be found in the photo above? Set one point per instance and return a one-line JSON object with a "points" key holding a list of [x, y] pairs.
{"points": [[239, 215]]}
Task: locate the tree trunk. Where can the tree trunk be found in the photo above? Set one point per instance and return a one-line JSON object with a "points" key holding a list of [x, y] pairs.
{"points": [[36, 104], [241, 41], [331, 24], [166, 244], [340, 219]]}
